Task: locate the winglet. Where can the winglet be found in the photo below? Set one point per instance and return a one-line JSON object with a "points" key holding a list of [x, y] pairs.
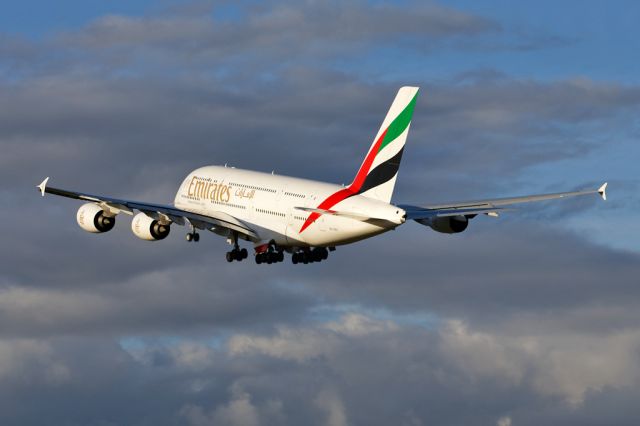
{"points": [[43, 186], [603, 191]]}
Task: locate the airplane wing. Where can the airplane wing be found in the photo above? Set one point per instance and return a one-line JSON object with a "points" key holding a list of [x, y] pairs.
{"points": [[489, 207], [169, 214]]}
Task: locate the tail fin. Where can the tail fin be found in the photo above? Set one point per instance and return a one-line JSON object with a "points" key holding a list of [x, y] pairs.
{"points": [[379, 170]]}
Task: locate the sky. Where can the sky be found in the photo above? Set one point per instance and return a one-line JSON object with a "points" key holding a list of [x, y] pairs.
{"points": [[526, 319]]}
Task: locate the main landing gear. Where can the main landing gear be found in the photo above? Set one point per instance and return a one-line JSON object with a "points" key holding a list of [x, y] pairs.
{"points": [[269, 253], [269, 257], [237, 253], [317, 254]]}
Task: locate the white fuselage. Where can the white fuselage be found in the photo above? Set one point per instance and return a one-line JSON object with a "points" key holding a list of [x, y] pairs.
{"points": [[267, 203]]}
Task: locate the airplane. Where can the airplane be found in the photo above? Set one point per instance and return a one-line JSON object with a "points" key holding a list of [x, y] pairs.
{"points": [[304, 218]]}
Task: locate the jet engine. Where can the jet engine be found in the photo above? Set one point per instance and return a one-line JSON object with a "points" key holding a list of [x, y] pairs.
{"points": [[149, 229], [446, 225], [92, 218]]}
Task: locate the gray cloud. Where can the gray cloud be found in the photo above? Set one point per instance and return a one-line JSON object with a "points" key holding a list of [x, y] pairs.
{"points": [[283, 28], [318, 374]]}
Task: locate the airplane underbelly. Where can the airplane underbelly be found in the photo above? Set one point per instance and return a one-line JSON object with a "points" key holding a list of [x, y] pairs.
{"points": [[333, 231]]}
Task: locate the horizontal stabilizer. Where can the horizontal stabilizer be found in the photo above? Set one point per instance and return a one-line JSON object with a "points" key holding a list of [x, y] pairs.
{"points": [[377, 221], [350, 215]]}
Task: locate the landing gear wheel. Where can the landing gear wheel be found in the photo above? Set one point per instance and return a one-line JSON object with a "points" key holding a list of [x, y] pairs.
{"points": [[244, 253], [196, 237], [189, 237], [325, 254], [229, 256]]}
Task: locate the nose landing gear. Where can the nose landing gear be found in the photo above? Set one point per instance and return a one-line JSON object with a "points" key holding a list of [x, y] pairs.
{"points": [[193, 235]]}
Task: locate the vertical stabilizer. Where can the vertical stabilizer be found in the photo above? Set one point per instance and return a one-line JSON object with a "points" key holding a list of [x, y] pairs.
{"points": [[377, 175]]}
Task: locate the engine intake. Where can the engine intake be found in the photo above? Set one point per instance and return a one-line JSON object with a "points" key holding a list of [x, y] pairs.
{"points": [[93, 219], [149, 229], [446, 225]]}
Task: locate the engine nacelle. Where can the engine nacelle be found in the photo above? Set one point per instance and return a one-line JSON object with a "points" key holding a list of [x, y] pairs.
{"points": [[149, 229], [446, 225], [92, 218]]}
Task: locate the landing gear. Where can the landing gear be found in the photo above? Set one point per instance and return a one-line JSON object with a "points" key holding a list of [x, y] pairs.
{"points": [[237, 254], [269, 257], [269, 253], [193, 235], [317, 254]]}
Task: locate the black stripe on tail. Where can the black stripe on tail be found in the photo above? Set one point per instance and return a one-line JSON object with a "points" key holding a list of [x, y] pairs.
{"points": [[383, 173]]}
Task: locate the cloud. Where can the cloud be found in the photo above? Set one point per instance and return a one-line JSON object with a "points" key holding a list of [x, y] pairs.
{"points": [[504, 421], [25, 360], [239, 411], [329, 402], [398, 373], [283, 28], [154, 302]]}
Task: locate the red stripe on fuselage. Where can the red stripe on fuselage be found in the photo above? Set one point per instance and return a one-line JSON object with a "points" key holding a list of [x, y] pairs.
{"points": [[352, 189]]}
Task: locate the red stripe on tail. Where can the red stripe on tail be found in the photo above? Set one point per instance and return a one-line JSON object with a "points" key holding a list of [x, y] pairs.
{"points": [[352, 189]]}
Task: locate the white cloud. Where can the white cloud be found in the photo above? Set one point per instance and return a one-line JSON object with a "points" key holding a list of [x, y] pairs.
{"points": [[329, 402], [239, 411], [568, 364], [290, 344], [354, 324], [504, 421], [481, 354]]}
